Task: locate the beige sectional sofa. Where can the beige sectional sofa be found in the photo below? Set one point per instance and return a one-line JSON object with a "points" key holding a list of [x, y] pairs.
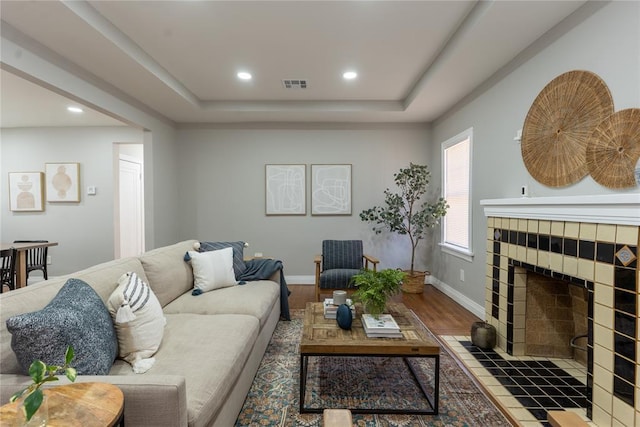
{"points": [[210, 351]]}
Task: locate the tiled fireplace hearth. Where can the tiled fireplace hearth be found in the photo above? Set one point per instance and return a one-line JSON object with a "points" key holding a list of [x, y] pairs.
{"points": [[591, 243]]}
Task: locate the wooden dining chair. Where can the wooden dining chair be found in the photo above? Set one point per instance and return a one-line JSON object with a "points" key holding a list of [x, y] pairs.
{"points": [[8, 269], [36, 257]]}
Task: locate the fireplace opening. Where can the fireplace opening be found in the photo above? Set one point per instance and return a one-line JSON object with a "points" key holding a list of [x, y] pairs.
{"points": [[556, 322]]}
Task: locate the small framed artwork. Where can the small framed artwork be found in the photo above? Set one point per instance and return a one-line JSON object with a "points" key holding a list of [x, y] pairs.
{"points": [[285, 189], [25, 191], [62, 182], [330, 189]]}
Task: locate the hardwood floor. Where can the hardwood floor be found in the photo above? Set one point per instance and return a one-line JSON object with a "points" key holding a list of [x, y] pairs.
{"points": [[441, 314]]}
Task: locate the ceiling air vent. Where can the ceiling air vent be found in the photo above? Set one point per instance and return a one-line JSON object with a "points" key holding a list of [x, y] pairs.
{"points": [[294, 83]]}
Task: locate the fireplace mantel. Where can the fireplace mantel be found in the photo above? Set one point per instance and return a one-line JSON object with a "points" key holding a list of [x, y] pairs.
{"points": [[603, 209]]}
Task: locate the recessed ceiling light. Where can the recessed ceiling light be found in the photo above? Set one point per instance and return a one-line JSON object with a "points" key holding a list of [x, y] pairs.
{"points": [[75, 109], [243, 75], [350, 75]]}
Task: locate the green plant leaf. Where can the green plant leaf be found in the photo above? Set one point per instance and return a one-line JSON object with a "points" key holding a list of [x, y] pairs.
{"points": [[68, 356], [32, 403], [17, 395], [37, 371], [71, 374]]}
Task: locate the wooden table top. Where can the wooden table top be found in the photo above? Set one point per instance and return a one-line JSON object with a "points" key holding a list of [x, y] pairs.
{"points": [[26, 245], [322, 336], [77, 405]]}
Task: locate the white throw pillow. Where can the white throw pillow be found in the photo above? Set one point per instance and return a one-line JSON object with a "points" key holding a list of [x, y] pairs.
{"points": [[212, 269], [139, 321]]}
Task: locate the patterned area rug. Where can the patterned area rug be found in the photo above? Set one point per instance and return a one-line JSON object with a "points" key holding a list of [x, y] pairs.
{"points": [[344, 381]]}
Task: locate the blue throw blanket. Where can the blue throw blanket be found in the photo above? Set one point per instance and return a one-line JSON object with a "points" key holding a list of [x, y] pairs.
{"points": [[262, 269]]}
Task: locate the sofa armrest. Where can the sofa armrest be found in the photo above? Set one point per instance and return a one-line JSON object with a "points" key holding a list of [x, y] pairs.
{"points": [[149, 400], [276, 276]]}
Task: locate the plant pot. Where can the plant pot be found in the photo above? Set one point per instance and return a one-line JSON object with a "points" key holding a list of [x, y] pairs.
{"points": [[483, 335], [414, 283]]}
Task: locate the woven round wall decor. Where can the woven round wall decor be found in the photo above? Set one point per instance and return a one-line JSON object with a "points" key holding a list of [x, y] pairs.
{"points": [[560, 121], [613, 149]]}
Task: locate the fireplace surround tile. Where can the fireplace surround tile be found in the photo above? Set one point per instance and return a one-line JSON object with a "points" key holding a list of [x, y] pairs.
{"points": [[586, 254], [557, 228], [606, 232], [587, 249], [588, 231], [626, 255], [570, 265], [622, 412], [572, 230], [523, 224], [544, 227], [627, 234], [604, 315], [586, 269], [603, 336], [555, 262], [604, 274]]}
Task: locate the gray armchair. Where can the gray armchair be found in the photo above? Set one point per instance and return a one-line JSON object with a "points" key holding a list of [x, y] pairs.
{"points": [[339, 261]]}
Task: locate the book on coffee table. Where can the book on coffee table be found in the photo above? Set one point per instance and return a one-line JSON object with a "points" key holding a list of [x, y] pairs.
{"points": [[331, 310], [383, 326]]}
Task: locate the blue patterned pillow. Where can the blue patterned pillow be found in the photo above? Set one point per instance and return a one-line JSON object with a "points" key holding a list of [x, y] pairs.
{"points": [[238, 253], [76, 316]]}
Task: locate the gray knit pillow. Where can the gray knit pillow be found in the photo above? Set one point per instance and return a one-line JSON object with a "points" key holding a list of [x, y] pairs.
{"points": [[76, 316]]}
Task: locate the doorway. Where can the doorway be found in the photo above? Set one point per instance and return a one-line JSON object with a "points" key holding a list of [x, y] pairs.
{"points": [[129, 201]]}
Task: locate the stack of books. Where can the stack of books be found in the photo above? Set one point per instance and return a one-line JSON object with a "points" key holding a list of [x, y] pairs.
{"points": [[331, 310], [384, 326]]}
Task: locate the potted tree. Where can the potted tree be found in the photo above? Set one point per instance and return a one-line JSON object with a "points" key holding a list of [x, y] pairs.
{"points": [[374, 288], [404, 213]]}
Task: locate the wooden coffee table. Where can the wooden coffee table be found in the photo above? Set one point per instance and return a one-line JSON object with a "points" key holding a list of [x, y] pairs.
{"points": [[78, 405], [323, 337]]}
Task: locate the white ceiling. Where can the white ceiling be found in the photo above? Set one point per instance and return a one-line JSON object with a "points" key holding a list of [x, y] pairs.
{"points": [[415, 59]]}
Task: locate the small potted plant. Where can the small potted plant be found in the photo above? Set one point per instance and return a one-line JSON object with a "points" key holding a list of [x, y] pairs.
{"points": [[374, 288], [404, 214], [41, 373]]}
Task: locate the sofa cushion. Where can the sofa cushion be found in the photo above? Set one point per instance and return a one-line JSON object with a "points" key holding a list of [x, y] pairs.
{"points": [[138, 319], [75, 317], [167, 273], [212, 270], [255, 298], [238, 253], [210, 352]]}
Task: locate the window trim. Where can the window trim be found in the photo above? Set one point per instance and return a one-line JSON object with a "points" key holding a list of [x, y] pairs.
{"points": [[447, 247]]}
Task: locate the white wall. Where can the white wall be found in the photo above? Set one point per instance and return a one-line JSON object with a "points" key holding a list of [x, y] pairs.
{"points": [[83, 230], [222, 187], [606, 43]]}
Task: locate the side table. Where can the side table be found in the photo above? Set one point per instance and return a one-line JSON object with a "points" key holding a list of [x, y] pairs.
{"points": [[78, 405]]}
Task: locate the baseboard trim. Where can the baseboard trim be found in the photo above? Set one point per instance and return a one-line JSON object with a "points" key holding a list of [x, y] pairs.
{"points": [[300, 280], [458, 297]]}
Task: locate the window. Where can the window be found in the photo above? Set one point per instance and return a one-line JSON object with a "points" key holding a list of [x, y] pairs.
{"points": [[456, 187]]}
